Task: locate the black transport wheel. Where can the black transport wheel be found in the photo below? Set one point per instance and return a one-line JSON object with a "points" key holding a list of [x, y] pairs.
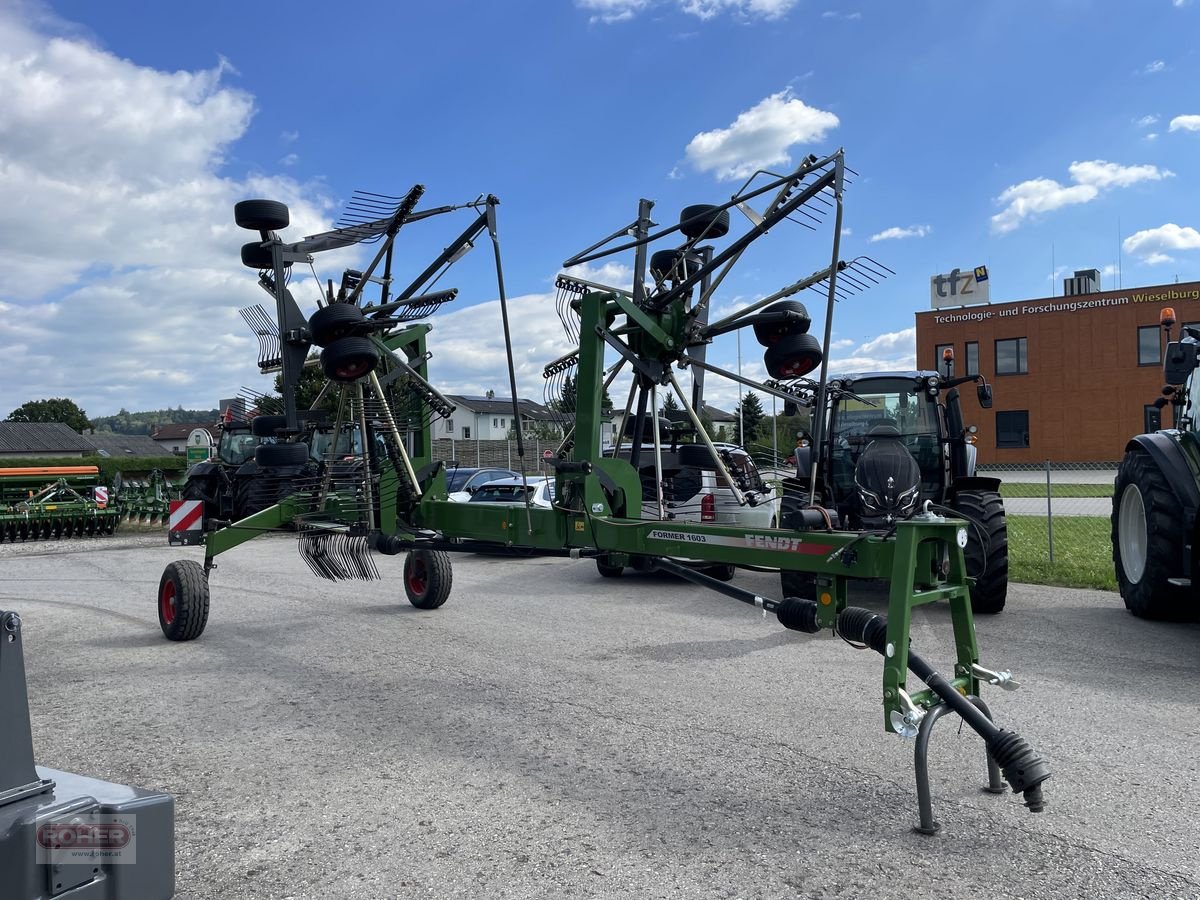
{"points": [[427, 578], [793, 356], [337, 320], [261, 215], [349, 359], [768, 333], [721, 573], [987, 548], [277, 455], [674, 265], [1147, 540], [607, 569], [256, 256], [183, 600], [703, 220], [267, 426]]}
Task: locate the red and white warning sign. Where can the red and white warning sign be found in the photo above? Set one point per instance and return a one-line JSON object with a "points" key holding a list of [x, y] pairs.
{"points": [[186, 522], [101, 496]]}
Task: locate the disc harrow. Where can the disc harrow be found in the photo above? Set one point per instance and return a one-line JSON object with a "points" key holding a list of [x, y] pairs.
{"points": [[50, 502]]}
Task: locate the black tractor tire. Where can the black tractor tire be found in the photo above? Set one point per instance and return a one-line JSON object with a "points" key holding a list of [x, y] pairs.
{"points": [[279, 455], [607, 569], [427, 578], [348, 359], [183, 600], [337, 320], [793, 356], [724, 572], [266, 426], [256, 256], [987, 548], [667, 263], [261, 215], [1147, 540], [253, 495], [703, 220]]}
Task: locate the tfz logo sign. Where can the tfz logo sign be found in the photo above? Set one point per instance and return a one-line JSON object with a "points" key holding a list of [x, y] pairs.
{"points": [[959, 288], [959, 282]]}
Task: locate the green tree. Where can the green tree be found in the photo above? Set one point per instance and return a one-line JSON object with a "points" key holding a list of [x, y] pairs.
{"points": [[309, 386], [749, 414], [58, 409], [669, 403]]}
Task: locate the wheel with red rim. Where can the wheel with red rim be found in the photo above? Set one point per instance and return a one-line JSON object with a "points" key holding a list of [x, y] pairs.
{"points": [[349, 359], [427, 578], [183, 600]]}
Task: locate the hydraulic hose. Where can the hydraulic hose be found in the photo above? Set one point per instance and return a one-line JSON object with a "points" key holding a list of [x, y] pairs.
{"points": [[1023, 768]]}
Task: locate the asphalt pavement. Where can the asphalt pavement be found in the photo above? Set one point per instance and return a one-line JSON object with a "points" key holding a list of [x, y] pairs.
{"points": [[549, 733]]}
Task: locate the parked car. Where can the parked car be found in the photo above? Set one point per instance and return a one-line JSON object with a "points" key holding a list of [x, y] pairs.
{"points": [[462, 483], [513, 490], [693, 491]]}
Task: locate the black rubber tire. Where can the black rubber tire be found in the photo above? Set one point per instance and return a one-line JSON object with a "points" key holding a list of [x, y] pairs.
{"points": [[256, 256], [427, 578], [337, 320], [704, 220], [206, 488], [666, 262], [183, 600], [696, 456], [793, 356], [723, 572], [266, 426], [767, 334], [608, 570], [261, 215], [798, 584], [348, 359], [253, 495], [1151, 596], [987, 552], [278, 455]]}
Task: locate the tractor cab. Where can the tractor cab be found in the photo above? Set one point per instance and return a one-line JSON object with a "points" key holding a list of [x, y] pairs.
{"points": [[237, 443]]}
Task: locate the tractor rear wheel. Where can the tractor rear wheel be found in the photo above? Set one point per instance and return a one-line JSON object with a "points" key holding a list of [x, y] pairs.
{"points": [[987, 548], [721, 573], [427, 578], [1147, 539], [183, 600]]}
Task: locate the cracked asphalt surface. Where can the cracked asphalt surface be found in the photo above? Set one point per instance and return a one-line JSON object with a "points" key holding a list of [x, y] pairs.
{"points": [[549, 733]]}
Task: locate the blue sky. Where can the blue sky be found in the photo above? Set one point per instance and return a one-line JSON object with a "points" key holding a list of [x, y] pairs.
{"points": [[1026, 136]]}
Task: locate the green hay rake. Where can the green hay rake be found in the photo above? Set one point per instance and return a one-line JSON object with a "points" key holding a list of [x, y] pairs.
{"points": [[396, 502]]}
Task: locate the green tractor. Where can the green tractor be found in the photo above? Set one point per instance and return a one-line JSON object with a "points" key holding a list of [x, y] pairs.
{"points": [[893, 445], [1156, 497]]}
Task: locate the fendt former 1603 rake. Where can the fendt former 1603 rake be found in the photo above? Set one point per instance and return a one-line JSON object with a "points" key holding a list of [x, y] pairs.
{"points": [[375, 357]]}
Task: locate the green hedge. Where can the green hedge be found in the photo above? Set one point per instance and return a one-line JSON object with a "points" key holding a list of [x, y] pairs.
{"points": [[109, 466]]}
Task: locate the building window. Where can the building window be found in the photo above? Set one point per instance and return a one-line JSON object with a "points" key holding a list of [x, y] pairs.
{"points": [[938, 365], [1012, 428], [1012, 357], [1149, 346], [1151, 418], [972, 358], [450, 426], [466, 433], [495, 422]]}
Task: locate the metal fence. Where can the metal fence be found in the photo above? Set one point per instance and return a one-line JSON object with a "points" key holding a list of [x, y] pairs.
{"points": [[1059, 522], [495, 453]]}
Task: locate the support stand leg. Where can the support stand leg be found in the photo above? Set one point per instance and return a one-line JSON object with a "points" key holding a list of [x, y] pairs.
{"points": [[995, 785]]}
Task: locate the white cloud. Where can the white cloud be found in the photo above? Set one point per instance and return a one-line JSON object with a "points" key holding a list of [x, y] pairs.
{"points": [[675, 174], [1105, 175], [1152, 136], [1153, 67], [289, 137], [290, 160], [1152, 243], [750, 9], [118, 250], [760, 137], [1145, 121], [609, 12], [1042, 195], [847, 17], [897, 233], [1185, 123]]}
